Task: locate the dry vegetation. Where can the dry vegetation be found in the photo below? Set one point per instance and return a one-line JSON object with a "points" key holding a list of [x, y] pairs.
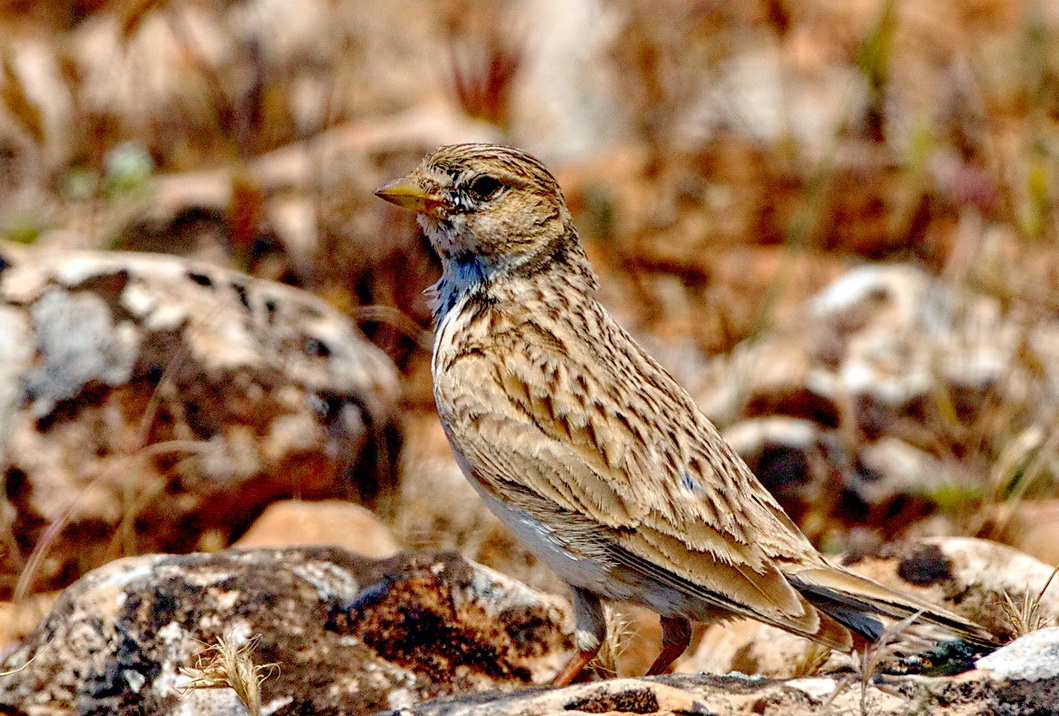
{"points": [[724, 160], [228, 664]]}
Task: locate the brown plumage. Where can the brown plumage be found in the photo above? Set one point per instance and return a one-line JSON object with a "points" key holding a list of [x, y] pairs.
{"points": [[586, 448]]}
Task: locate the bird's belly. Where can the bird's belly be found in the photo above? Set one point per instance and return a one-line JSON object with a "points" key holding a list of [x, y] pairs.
{"points": [[547, 546], [593, 575], [542, 540]]}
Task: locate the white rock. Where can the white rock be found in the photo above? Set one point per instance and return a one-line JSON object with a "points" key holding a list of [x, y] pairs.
{"points": [[1032, 658]]}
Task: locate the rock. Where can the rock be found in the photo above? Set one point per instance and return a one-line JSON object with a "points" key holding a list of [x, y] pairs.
{"points": [[892, 368], [972, 577], [1031, 526], [890, 485], [1034, 657], [971, 694], [750, 647], [347, 634], [794, 461], [352, 635], [148, 402], [893, 485], [293, 523]]}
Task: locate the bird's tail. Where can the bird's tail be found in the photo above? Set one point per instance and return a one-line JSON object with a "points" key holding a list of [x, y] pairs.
{"points": [[867, 607]]}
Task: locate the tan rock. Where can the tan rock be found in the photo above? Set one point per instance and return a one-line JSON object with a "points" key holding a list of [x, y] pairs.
{"points": [[1031, 526], [750, 647], [970, 576], [294, 523], [17, 619]]}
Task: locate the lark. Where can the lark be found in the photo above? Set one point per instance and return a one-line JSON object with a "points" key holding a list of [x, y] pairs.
{"points": [[587, 449]]}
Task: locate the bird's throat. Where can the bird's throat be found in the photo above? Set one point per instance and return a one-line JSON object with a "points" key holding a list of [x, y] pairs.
{"points": [[463, 274]]}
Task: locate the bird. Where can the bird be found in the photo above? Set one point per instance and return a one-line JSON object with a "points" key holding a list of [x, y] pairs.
{"points": [[593, 455]]}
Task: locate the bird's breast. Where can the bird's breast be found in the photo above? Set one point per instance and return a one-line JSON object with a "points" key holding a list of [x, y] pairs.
{"points": [[449, 332]]}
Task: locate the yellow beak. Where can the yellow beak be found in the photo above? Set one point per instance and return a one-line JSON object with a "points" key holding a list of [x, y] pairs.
{"points": [[408, 194]]}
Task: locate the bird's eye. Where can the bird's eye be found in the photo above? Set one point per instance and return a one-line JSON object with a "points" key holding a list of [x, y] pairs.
{"points": [[483, 187]]}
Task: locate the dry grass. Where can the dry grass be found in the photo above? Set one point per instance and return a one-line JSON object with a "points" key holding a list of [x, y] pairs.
{"points": [[619, 631], [866, 664], [1028, 614], [229, 665]]}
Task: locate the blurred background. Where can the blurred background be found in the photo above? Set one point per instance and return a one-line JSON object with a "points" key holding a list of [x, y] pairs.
{"points": [[834, 222]]}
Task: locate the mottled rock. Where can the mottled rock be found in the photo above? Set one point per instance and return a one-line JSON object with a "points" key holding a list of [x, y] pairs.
{"points": [[969, 576], [348, 634], [1034, 657], [352, 635], [293, 523], [895, 370], [147, 402], [971, 694]]}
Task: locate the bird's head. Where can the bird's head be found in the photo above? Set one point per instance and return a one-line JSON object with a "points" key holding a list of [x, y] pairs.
{"points": [[490, 210]]}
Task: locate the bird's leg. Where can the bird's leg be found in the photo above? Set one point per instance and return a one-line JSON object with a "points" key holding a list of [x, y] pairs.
{"points": [[590, 629], [676, 635]]}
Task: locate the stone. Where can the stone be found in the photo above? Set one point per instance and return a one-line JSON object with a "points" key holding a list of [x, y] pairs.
{"points": [[428, 634], [750, 647], [1030, 526], [142, 395], [792, 459], [972, 694], [893, 486], [892, 368], [292, 523], [346, 634], [1034, 657]]}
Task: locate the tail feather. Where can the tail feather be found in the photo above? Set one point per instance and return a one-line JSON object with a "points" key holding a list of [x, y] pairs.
{"points": [[855, 620], [832, 632], [852, 600]]}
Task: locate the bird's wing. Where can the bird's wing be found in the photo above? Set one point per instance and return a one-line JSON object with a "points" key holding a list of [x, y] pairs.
{"points": [[619, 442], [631, 424]]}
